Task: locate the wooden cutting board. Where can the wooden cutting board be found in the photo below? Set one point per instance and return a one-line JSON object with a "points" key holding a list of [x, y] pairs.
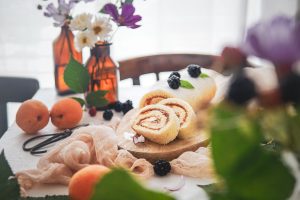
{"points": [[152, 151]]}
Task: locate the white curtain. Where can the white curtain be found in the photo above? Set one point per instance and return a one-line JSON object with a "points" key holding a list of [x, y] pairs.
{"points": [[168, 26]]}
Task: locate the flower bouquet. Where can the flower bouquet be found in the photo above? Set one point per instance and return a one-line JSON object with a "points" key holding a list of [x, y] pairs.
{"points": [[98, 78]]}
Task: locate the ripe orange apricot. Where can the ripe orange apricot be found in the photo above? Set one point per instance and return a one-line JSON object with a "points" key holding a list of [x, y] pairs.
{"points": [[82, 183], [32, 116], [66, 113]]}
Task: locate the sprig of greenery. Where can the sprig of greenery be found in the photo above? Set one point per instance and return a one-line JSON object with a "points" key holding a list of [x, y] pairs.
{"points": [[9, 187], [77, 77], [119, 184], [203, 75], [186, 84], [248, 170]]}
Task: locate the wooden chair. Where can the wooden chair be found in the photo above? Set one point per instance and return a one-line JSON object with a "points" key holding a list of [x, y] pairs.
{"points": [[134, 68], [14, 89]]}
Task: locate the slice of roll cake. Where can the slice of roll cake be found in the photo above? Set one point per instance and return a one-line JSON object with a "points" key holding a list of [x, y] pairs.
{"points": [[154, 97], [185, 114], [199, 96], [157, 123]]}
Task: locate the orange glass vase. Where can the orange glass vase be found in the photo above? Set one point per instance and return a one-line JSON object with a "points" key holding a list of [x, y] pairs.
{"points": [[63, 48], [103, 72]]}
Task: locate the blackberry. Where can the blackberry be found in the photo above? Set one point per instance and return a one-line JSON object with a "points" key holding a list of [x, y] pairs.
{"points": [[127, 106], [161, 167], [39, 7], [194, 70], [290, 88], [118, 106], [241, 90], [175, 74], [92, 111], [174, 82], [108, 114]]}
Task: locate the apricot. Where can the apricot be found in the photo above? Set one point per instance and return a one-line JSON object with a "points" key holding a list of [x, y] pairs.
{"points": [[82, 183], [66, 113], [32, 116]]}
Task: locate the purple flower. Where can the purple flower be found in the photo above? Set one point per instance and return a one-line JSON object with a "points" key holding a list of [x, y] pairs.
{"points": [[126, 18], [277, 40], [59, 14], [62, 12]]}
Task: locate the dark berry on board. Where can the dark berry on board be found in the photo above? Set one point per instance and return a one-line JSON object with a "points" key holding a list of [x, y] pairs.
{"points": [[290, 88], [118, 106], [108, 114], [129, 102], [194, 70], [175, 74], [174, 82], [241, 89], [127, 106], [161, 167], [39, 7], [92, 111]]}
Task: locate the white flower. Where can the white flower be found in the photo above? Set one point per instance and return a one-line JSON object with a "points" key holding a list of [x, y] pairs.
{"points": [[81, 22], [101, 27], [84, 39]]}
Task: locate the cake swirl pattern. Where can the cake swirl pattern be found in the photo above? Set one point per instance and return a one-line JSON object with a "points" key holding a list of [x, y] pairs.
{"points": [[157, 123]]}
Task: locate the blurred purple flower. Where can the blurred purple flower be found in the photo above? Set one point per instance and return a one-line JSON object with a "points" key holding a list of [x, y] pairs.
{"points": [[277, 40], [126, 18]]}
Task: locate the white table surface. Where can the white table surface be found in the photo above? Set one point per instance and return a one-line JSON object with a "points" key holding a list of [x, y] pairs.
{"points": [[13, 139]]}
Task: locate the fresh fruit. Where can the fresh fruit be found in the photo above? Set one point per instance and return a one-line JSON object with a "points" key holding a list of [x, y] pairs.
{"points": [[92, 111], [82, 183], [127, 106], [66, 113], [175, 74], [174, 82], [107, 115], [118, 106], [290, 88], [161, 167], [32, 116], [194, 70], [241, 90]]}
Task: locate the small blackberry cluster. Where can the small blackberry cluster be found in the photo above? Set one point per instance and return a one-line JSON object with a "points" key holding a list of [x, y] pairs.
{"points": [[241, 89], [161, 167], [194, 70], [174, 81], [123, 107]]}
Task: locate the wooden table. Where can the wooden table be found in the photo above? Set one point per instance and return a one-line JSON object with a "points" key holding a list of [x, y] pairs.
{"points": [[13, 139]]}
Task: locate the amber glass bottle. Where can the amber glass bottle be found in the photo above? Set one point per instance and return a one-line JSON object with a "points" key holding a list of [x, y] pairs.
{"points": [[103, 72], [63, 48]]}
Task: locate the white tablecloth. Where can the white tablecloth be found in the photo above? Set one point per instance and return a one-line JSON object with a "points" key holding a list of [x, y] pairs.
{"points": [[13, 139]]}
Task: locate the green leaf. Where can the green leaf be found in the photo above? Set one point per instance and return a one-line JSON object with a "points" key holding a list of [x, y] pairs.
{"points": [[102, 10], [76, 76], [186, 84], [128, 1], [60, 197], [230, 128], [97, 98], [203, 75], [9, 187], [119, 184], [79, 100], [249, 171]]}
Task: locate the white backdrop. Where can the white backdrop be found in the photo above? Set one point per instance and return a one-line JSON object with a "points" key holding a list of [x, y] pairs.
{"points": [[195, 26]]}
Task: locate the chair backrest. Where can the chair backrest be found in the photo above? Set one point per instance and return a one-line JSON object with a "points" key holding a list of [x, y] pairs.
{"points": [[135, 67], [14, 89]]}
